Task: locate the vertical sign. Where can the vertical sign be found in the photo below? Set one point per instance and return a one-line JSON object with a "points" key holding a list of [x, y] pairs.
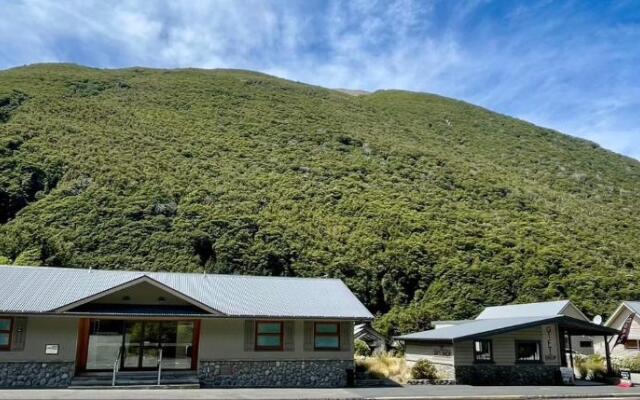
{"points": [[549, 343], [624, 332]]}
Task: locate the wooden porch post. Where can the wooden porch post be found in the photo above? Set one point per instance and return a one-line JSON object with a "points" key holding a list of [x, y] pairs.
{"points": [[608, 355], [570, 350]]}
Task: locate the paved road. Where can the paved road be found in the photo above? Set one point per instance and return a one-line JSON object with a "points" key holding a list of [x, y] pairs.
{"points": [[456, 392]]}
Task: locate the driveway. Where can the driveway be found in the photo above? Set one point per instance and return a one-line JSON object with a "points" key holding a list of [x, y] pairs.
{"points": [[456, 392]]}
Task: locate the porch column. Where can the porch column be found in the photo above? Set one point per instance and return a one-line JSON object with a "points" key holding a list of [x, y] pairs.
{"points": [[570, 350], [608, 355]]}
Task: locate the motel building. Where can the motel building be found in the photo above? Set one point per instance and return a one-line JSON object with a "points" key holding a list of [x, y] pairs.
{"points": [[522, 344], [63, 327]]}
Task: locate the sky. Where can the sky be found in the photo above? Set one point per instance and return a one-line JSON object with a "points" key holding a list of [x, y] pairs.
{"points": [[573, 66]]}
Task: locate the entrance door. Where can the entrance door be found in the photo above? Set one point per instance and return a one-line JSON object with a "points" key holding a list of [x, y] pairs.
{"points": [[140, 342], [144, 340]]}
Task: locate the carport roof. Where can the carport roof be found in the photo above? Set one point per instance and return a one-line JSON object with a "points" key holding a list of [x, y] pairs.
{"points": [[488, 327]]}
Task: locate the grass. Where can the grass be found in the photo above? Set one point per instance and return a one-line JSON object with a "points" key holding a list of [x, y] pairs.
{"points": [[385, 366]]}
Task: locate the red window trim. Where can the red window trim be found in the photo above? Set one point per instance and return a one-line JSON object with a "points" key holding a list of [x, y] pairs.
{"points": [[7, 347], [316, 333], [269, 348]]}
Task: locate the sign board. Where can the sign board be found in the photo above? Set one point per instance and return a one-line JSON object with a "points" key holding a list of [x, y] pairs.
{"points": [[52, 349], [567, 376], [549, 343]]}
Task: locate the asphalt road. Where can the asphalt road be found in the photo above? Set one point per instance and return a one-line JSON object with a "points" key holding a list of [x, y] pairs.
{"points": [[453, 392]]}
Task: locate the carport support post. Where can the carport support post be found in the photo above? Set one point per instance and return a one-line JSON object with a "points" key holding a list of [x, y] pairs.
{"points": [[608, 355], [570, 350]]}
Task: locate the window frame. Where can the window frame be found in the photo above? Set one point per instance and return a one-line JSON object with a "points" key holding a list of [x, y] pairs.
{"points": [[626, 346], [257, 347], [589, 346], [539, 346], [7, 347], [316, 334], [475, 353]]}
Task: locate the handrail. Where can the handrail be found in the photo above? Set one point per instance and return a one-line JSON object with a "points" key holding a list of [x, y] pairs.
{"points": [[159, 365], [116, 367]]}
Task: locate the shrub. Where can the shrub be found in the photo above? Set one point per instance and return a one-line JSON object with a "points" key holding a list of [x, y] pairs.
{"points": [[5, 260], [423, 369], [361, 348], [630, 363], [591, 367], [385, 366]]}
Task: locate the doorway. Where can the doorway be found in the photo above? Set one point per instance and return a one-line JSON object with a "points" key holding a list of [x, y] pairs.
{"points": [[140, 344]]}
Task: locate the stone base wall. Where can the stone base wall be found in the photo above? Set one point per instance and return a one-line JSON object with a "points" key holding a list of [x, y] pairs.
{"points": [[286, 373], [36, 374], [521, 374], [445, 371]]}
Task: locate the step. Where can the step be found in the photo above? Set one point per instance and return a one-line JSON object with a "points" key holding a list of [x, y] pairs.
{"points": [[99, 387], [182, 379]]}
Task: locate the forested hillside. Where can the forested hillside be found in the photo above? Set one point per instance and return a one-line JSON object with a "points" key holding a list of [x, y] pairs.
{"points": [[427, 207]]}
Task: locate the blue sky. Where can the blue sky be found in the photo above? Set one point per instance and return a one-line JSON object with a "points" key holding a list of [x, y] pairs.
{"points": [[569, 65]]}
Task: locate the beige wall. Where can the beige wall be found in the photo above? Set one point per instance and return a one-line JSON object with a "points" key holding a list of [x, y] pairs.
{"points": [[222, 339], [42, 331], [142, 293], [503, 347], [431, 352]]}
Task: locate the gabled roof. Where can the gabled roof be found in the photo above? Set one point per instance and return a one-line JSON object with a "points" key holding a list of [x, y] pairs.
{"points": [[488, 327], [49, 290], [632, 306], [544, 309]]}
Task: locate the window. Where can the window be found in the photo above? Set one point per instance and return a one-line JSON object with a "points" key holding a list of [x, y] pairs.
{"points": [[269, 335], [631, 344], [586, 343], [482, 351], [5, 333], [528, 351], [326, 336]]}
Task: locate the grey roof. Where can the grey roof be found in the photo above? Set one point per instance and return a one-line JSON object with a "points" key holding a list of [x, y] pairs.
{"points": [[46, 289], [487, 327], [634, 306], [452, 321], [544, 309]]}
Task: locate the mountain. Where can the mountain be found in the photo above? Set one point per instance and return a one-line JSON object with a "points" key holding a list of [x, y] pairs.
{"points": [[427, 207]]}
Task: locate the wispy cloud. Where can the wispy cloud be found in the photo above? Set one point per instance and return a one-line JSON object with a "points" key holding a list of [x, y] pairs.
{"points": [[572, 66]]}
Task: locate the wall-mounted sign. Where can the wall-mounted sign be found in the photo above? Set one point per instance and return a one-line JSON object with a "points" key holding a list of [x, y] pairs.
{"points": [[52, 349], [549, 343]]}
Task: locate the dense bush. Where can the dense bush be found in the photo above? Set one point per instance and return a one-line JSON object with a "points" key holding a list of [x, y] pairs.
{"points": [[428, 208], [591, 367], [361, 348], [631, 363], [423, 369]]}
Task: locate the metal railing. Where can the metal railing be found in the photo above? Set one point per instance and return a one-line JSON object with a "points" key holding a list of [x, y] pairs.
{"points": [[116, 367], [159, 365]]}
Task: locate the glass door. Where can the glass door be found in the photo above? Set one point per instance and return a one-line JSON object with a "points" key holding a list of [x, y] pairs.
{"points": [[144, 339]]}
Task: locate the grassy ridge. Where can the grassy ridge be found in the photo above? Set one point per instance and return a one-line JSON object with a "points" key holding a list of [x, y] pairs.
{"points": [[427, 207]]}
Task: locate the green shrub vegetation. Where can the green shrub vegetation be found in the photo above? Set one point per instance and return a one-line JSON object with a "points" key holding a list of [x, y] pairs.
{"points": [[591, 367], [631, 363], [427, 207], [361, 348], [423, 369]]}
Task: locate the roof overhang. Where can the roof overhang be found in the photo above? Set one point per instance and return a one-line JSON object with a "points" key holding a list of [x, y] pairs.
{"points": [[143, 279], [573, 326]]}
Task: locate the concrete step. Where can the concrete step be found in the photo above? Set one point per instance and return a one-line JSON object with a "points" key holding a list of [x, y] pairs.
{"points": [[181, 379]]}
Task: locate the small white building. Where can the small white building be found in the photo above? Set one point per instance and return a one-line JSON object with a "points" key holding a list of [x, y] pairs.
{"points": [[627, 310], [519, 344]]}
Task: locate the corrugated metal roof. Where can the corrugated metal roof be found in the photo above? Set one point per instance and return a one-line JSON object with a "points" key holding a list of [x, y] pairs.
{"points": [[488, 327], [634, 306], [549, 308], [471, 328], [44, 289]]}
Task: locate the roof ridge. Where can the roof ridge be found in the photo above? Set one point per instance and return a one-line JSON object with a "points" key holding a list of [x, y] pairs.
{"points": [[146, 273]]}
